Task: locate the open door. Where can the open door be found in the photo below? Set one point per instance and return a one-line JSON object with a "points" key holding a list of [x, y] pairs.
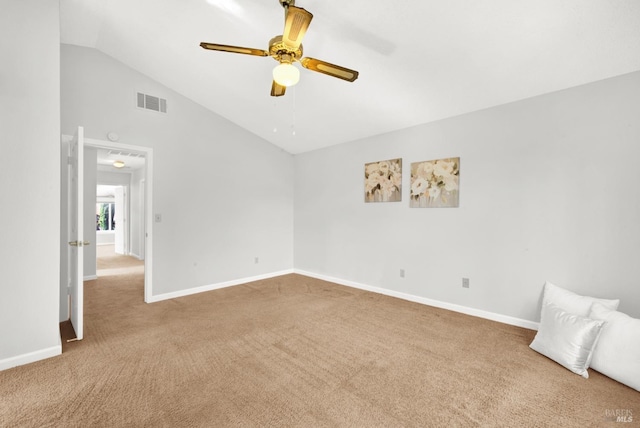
{"points": [[76, 241]]}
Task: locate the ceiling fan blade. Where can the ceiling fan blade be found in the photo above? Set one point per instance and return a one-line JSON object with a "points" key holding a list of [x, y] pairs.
{"points": [[277, 90], [329, 69], [296, 22], [234, 49]]}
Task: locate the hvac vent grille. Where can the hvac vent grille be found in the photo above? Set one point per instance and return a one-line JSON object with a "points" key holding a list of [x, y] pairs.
{"points": [[149, 102], [121, 153]]}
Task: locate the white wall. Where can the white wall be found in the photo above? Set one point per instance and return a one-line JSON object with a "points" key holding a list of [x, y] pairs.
{"points": [[105, 237], [114, 178], [30, 124], [547, 192], [224, 194]]}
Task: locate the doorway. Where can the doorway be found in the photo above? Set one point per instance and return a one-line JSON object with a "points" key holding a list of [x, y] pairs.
{"points": [[123, 212], [113, 224], [116, 221], [140, 242]]}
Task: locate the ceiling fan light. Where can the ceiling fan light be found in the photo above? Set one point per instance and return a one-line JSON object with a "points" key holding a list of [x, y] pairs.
{"points": [[118, 164], [286, 74]]}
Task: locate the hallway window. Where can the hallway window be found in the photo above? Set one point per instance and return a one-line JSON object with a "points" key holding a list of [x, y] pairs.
{"points": [[105, 216]]}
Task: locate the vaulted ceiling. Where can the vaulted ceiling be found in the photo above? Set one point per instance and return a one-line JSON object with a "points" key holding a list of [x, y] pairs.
{"points": [[419, 61]]}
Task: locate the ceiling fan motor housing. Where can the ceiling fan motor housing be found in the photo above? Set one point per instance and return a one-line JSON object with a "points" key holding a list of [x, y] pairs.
{"points": [[277, 49]]}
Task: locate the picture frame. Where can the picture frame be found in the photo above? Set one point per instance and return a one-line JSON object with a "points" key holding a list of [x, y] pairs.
{"points": [[383, 181], [435, 183]]}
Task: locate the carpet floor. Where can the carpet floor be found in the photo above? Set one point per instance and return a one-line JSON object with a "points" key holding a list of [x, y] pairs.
{"points": [[293, 351]]}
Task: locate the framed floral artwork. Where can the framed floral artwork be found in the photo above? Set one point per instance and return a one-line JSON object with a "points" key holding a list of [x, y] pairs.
{"points": [[435, 183], [383, 181]]}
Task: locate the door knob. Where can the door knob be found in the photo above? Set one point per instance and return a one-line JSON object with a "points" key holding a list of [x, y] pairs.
{"points": [[79, 243]]}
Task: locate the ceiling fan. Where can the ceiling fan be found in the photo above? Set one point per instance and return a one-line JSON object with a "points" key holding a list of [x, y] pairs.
{"points": [[287, 49]]}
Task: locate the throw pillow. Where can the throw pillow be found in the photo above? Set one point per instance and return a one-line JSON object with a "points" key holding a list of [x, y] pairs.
{"points": [[617, 353], [572, 302], [566, 338]]}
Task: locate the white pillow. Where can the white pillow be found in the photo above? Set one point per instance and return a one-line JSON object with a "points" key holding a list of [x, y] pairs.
{"points": [[566, 338], [617, 353], [572, 302]]}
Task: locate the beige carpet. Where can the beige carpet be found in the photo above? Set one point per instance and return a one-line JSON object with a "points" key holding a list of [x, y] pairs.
{"points": [[296, 352], [107, 259]]}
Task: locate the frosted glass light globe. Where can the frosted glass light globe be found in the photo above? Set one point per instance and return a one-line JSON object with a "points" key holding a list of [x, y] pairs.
{"points": [[286, 74]]}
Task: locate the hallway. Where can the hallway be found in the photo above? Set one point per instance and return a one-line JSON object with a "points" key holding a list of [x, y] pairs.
{"points": [[109, 263], [120, 284]]}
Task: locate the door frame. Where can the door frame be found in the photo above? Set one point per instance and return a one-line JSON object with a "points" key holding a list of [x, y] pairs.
{"points": [[148, 204]]}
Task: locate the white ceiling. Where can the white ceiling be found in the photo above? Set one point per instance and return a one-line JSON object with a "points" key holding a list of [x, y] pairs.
{"points": [[132, 160], [419, 61]]}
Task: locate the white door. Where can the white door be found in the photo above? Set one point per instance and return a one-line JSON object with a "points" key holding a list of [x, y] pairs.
{"points": [[119, 219], [76, 242]]}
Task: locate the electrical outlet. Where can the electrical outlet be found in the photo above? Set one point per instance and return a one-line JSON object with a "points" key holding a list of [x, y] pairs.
{"points": [[256, 260], [401, 273], [465, 282]]}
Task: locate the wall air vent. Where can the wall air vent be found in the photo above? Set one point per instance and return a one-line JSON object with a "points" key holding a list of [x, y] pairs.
{"points": [[149, 102]]}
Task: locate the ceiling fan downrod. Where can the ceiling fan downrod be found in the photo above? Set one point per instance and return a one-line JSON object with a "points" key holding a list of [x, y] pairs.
{"points": [[287, 3]]}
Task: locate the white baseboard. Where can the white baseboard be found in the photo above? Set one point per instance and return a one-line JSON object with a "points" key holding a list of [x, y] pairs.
{"points": [[31, 357], [210, 287], [505, 319], [90, 277]]}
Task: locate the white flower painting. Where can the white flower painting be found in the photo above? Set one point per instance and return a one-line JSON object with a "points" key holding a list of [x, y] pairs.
{"points": [[383, 181], [435, 183]]}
